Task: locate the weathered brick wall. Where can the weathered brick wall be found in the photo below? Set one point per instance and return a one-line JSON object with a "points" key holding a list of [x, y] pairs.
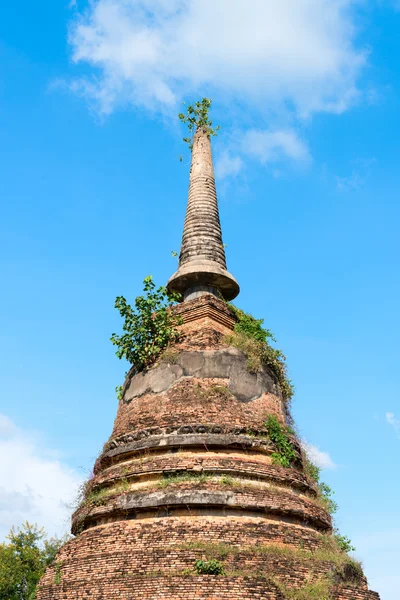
{"points": [[185, 588], [229, 462], [191, 402], [156, 555], [189, 460]]}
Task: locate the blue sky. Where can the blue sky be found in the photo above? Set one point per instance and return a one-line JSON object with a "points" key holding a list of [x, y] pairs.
{"points": [[93, 197]]}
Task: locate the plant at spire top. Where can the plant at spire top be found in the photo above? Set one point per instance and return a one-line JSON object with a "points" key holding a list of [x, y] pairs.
{"points": [[197, 117]]}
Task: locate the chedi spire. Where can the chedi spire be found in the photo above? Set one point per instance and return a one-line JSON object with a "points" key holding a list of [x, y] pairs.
{"points": [[202, 264], [202, 490]]}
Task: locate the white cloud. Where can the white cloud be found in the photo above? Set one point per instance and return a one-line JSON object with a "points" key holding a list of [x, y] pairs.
{"points": [[270, 146], [358, 177], [227, 165], [350, 183], [295, 53], [395, 423], [34, 485], [317, 457]]}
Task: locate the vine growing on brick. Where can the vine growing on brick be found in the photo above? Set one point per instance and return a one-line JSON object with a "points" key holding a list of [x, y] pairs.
{"points": [[326, 493], [280, 436], [197, 117], [284, 455], [149, 326], [254, 340]]}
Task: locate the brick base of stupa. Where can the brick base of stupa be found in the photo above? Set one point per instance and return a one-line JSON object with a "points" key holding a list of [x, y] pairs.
{"points": [[188, 474]]}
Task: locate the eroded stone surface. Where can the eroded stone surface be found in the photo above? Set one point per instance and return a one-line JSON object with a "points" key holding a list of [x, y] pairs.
{"points": [[228, 364]]}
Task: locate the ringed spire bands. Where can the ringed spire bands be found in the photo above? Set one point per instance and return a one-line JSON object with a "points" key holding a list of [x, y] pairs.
{"points": [[202, 264]]}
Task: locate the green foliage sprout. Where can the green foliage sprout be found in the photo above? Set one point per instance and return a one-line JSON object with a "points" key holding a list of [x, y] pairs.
{"points": [[280, 436], [344, 543], [57, 575], [321, 589], [209, 567], [197, 117], [252, 327], [148, 327], [254, 340], [325, 492]]}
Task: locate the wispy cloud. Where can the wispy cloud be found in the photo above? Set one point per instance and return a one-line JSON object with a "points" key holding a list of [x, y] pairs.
{"points": [[318, 457], [350, 183], [393, 422], [150, 51], [358, 176], [34, 484], [285, 58], [270, 146], [227, 165]]}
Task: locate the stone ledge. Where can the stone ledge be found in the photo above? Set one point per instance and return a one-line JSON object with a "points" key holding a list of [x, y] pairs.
{"points": [[201, 462], [191, 436], [278, 503]]}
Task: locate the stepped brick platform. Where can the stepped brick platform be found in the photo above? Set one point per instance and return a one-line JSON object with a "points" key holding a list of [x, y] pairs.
{"points": [[189, 474]]}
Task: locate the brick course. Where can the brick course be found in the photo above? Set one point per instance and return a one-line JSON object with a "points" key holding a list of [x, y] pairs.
{"points": [[198, 417]]}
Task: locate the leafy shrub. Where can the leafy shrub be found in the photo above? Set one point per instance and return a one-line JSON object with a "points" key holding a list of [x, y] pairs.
{"points": [[209, 567], [149, 327], [197, 118], [325, 492], [343, 542]]}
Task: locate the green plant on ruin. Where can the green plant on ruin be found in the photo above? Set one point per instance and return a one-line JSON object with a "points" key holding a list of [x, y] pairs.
{"points": [[170, 356], [148, 327], [98, 497], [227, 480], [253, 339], [197, 117], [279, 435], [122, 486], [325, 492], [345, 567], [209, 567], [57, 573], [320, 589], [118, 391], [83, 491], [343, 542], [211, 392], [189, 477]]}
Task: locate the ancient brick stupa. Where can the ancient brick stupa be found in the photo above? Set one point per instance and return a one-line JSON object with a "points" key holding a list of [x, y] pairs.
{"points": [[188, 499]]}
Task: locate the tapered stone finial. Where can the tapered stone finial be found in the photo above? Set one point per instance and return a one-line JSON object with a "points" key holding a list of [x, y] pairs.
{"points": [[202, 263]]}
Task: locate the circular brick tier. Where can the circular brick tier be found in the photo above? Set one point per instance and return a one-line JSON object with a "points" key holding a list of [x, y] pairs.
{"points": [[154, 558], [189, 462], [198, 417]]}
